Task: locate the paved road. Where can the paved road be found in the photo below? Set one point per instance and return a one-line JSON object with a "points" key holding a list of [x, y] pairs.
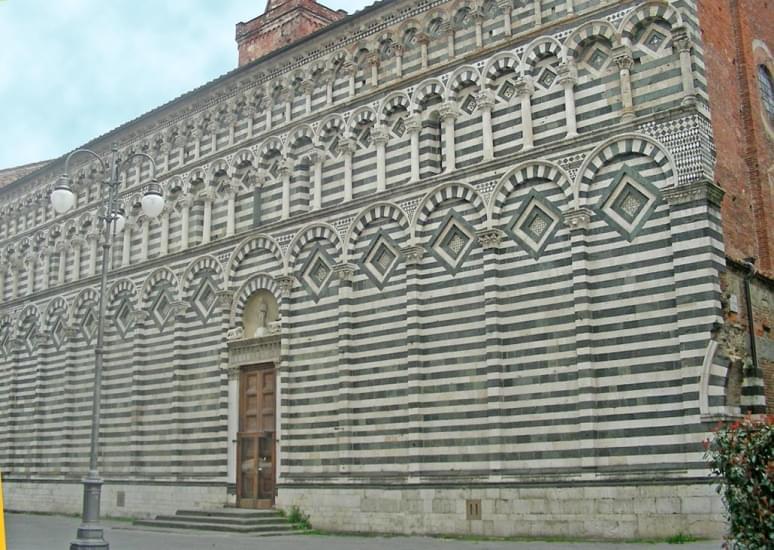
{"points": [[35, 532]]}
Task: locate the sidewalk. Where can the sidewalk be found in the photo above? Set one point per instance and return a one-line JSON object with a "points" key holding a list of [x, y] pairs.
{"points": [[37, 532]]}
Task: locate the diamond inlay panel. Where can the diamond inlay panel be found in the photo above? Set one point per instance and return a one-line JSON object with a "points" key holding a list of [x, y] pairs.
{"points": [[124, 318], [316, 272], [205, 298], [628, 203], [380, 259], [534, 224], [453, 241]]}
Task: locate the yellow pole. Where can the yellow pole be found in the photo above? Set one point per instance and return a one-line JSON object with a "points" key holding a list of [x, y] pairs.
{"points": [[2, 516]]}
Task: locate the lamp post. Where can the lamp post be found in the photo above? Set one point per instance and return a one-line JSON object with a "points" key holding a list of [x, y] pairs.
{"points": [[90, 534]]}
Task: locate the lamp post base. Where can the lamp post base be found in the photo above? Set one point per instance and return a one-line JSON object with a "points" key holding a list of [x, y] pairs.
{"points": [[90, 534]]}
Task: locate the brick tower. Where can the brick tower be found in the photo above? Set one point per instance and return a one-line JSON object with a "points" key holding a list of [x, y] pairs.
{"points": [[283, 22]]}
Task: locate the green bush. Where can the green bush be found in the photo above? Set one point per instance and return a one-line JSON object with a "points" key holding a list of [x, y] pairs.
{"points": [[741, 458], [298, 519]]}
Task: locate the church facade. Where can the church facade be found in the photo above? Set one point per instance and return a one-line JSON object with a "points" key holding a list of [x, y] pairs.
{"points": [[438, 267]]}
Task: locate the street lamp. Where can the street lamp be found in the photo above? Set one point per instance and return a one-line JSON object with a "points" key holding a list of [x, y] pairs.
{"points": [[90, 534]]}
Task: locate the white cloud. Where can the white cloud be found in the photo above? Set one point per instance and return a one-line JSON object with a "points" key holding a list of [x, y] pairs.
{"points": [[71, 70]]}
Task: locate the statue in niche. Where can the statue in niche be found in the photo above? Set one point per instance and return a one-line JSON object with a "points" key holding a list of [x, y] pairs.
{"points": [[261, 327]]}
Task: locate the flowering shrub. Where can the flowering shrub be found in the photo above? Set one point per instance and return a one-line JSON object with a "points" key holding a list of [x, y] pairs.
{"points": [[741, 458]]}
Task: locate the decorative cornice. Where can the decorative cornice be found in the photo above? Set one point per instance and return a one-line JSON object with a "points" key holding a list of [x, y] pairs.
{"points": [[698, 190]]}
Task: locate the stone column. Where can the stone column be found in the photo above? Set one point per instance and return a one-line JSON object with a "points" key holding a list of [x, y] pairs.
{"points": [[329, 76], [506, 7], [285, 170], [449, 114], [380, 136], [127, 244], [93, 238], [45, 256], [414, 127], [570, 7], [287, 98], [373, 62], [349, 69], [622, 56], [308, 86], [285, 283], [490, 240], [486, 102], [30, 262], [145, 234], [268, 116], [317, 157], [423, 40], [478, 18], [207, 197], [682, 42], [15, 269], [413, 257], [578, 221], [538, 12], [164, 237], [62, 248], [76, 244], [231, 192], [568, 76], [344, 274], [525, 88], [347, 146], [185, 210], [398, 49], [448, 28], [2, 284]]}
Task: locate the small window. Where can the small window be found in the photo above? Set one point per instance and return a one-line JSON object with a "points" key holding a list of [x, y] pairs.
{"points": [[767, 91]]}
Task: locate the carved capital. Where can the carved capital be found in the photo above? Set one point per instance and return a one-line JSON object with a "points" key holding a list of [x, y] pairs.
{"points": [[568, 74], [490, 238], [308, 86], [449, 111], [225, 298], [505, 5], [345, 271], [413, 254], [699, 190], [578, 218], [413, 124], [285, 283], [525, 86], [681, 39], [347, 146], [622, 56], [486, 100], [178, 308], [423, 38], [380, 135]]}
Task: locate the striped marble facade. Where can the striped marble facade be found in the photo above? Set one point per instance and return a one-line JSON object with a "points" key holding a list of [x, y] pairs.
{"points": [[521, 240]]}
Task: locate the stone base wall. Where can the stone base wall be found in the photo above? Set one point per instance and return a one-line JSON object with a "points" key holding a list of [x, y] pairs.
{"points": [[130, 499], [623, 512]]}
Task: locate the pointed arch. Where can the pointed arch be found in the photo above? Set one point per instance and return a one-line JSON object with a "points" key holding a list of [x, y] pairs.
{"points": [[618, 145], [247, 245], [529, 170], [380, 210], [444, 192], [86, 297], [310, 233]]}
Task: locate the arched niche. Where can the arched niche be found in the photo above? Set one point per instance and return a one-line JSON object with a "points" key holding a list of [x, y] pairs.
{"points": [[261, 311]]}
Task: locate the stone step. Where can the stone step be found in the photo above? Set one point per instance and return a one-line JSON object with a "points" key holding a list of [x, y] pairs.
{"points": [[231, 513], [266, 530], [225, 520]]}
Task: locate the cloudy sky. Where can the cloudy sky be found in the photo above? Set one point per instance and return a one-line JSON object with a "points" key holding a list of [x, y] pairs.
{"points": [[71, 70]]}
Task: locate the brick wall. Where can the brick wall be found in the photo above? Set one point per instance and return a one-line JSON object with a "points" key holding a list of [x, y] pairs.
{"points": [[737, 35]]}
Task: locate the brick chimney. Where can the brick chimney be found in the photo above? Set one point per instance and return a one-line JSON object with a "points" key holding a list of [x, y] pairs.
{"points": [[283, 22]]}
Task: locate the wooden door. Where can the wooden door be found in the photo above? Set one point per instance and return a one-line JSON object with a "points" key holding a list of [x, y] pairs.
{"points": [[255, 439]]}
